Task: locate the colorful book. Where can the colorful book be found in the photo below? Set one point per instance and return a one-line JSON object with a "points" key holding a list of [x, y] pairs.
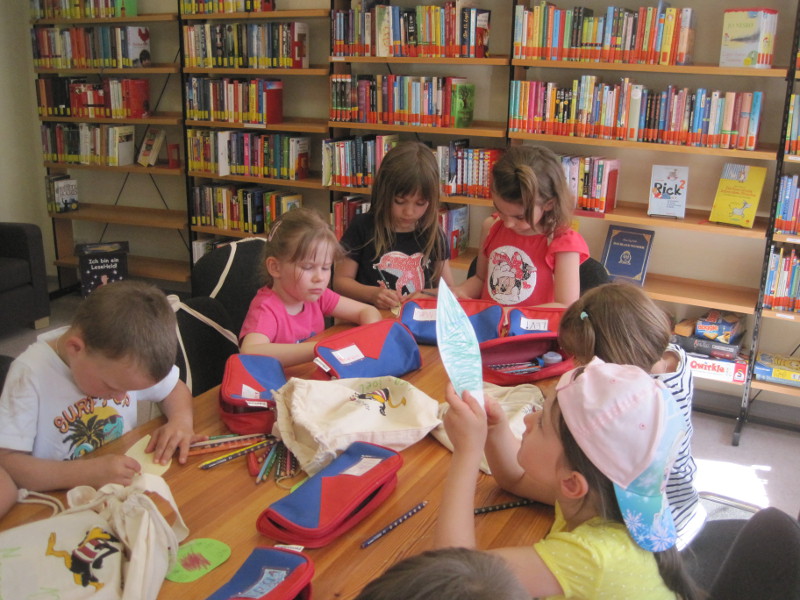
{"points": [[65, 195], [151, 146], [748, 38], [738, 193], [463, 104], [669, 185], [626, 253]]}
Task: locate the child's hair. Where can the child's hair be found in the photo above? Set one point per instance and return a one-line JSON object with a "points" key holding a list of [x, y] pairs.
{"points": [[298, 235], [130, 319], [447, 574], [408, 168], [526, 175], [617, 322], [614, 411]]}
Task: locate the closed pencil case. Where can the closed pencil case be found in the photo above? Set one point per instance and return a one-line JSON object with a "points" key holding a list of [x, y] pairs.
{"points": [[419, 315], [245, 396], [334, 499], [383, 348], [510, 361], [270, 574], [532, 319]]}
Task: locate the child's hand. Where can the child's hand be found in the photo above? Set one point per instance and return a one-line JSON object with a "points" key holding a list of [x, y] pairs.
{"points": [[495, 415], [465, 422], [113, 468], [385, 298], [168, 437]]}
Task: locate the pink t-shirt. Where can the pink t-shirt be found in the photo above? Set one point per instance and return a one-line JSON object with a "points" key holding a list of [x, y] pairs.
{"points": [[521, 266], [267, 315]]}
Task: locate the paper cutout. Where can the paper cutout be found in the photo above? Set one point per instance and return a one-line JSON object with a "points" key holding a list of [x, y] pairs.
{"points": [[146, 460], [458, 345], [198, 557]]}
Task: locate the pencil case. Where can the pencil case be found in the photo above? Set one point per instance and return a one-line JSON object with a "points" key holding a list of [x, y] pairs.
{"points": [[510, 361], [383, 348], [245, 396], [419, 315], [531, 319], [334, 499], [270, 574]]}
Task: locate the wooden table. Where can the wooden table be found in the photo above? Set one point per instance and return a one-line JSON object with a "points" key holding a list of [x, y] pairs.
{"points": [[223, 503]]}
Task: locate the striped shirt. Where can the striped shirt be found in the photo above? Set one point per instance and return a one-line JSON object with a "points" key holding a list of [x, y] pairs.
{"points": [[684, 502]]}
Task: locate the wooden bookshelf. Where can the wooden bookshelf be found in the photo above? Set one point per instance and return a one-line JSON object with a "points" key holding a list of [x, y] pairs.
{"points": [[157, 169], [489, 61], [143, 18], [289, 124], [144, 266], [477, 129], [127, 215], [708, 69], [154, 69], [314, 182], [165, 118], [313, 71]]}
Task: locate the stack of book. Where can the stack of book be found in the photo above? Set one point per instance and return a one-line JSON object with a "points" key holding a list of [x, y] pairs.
{"points": [[648, 35], [465, 171], [101, 46], [453, 30], [76, 97], [593, 181], [782, 288], [80, 9], [83, 143], [247, 45], [353, 161], [255, 101], [454, 221], [202, 7], [344, 210], [787, 211], [251, 209]]}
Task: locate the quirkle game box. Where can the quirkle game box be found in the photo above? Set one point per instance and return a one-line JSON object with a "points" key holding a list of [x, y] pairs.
{"points": [[706, 367]]}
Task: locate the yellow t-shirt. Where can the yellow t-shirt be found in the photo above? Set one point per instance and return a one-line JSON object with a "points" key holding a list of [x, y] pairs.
{"points": [[599, 560]]}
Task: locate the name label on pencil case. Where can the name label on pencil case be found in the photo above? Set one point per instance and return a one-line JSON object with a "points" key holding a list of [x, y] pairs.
{"points": [[533, 324], [362, 466], [424, 314], [348, 354]]}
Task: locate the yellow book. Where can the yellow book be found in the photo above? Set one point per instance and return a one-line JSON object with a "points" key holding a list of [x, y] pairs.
{"points": [[670, 17], [738, 193]]}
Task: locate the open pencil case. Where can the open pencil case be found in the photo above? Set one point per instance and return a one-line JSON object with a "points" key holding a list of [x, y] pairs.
{"points": [[383, 348], [335, 499], [270, 574], [419, 315], [510, 361], [245, 396]]}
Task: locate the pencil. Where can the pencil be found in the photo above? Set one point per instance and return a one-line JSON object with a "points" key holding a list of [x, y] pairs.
{"points": [[375, 537], [235, 454], [226, 439], [222, 445], [268, 462], [482, 510]]}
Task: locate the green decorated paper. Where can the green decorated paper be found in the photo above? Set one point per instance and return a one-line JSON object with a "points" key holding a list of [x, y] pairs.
{"points": [[198, 557]]}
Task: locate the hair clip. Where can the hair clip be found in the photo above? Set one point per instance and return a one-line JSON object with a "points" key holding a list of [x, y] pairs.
{"points": [[584, 315], [272, 231]]}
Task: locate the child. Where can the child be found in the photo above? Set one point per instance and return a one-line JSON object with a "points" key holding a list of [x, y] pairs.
{"points": [[602, 447], [291, 307], [77, 388], [447, 574], [397, 248], [8, 492], [529, 255], [621, 324]]}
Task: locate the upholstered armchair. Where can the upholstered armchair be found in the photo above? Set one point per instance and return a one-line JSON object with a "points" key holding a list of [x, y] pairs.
{"points": [[24, 299]]}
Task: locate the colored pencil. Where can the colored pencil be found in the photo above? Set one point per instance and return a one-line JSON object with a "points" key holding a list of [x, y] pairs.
{"points": [[268, 462], [375, 537], [236, 454], [482, 510], [223, 445]]}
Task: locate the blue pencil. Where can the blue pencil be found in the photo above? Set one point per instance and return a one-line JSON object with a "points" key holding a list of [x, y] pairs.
{"points": [[375, 537]]}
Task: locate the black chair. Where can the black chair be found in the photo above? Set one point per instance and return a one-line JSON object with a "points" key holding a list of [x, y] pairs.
{"points": [[205, 342], [23, 278], [763, 562], [231, 274], [592, 273]]}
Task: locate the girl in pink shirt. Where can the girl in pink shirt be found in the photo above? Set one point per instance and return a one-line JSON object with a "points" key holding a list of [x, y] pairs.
{"points": [[295, 299], [528, 255]]}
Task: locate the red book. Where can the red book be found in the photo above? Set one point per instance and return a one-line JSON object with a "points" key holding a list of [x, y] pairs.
{"points": [[137, 103]]}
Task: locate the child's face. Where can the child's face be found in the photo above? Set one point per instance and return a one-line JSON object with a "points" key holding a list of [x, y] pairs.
{"points": [[306, 280], [513, 215], [101, 377], [541, 452], [407, 210]]}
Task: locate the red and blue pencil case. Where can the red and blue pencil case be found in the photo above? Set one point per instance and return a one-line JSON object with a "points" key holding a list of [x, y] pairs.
{"points": [[335, 499], [245, 396], [419, 315], [383, 348], [270, 574]]}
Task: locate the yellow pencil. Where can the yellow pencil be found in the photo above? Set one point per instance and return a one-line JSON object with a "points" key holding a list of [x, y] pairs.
{"points": [[235, 454]]}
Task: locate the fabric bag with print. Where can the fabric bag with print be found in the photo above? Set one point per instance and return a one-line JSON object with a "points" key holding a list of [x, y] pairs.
{"points": [[112, 543], [319, 419]]}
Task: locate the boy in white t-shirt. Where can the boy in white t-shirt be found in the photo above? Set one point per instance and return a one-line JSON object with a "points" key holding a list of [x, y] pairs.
{"points": [[76, 388]]}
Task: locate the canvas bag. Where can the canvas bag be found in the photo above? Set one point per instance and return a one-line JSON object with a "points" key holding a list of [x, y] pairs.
{"points": [[335, 499], [115, 539], [319, 419], [516, 402], [245, 396], [419, 315], [383, 348]]}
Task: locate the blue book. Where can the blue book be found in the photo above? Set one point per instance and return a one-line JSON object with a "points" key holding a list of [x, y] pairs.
{"points": [[626, 253]]}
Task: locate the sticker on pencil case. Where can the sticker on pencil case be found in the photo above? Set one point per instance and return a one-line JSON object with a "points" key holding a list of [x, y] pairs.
{"points": [[534, 324], [198, 557], [362, 466], [424, 314], [458, 345], [249, 393], [348, 355]]}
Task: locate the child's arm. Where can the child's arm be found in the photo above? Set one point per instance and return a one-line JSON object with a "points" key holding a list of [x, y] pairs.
{"points": [[178, 431], [8, 492], [354, 311], [566, 278], [287, 354], [501, 454], [344, 283], [473, 286], [43, 475]]}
